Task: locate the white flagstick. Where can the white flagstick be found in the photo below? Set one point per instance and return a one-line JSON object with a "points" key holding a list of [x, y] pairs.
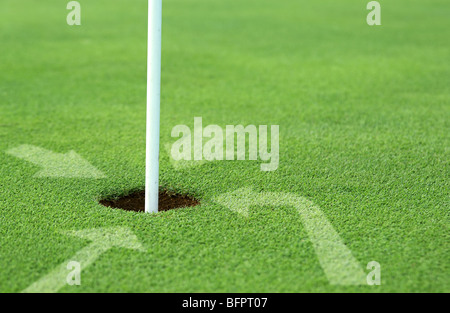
{"points": [[153, 102]]}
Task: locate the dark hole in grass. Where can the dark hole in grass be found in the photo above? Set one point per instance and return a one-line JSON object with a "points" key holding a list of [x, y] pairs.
{"points": [[136, 201]]}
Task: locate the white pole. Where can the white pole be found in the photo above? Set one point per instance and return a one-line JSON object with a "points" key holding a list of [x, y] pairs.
{"points": [[153, 103]]}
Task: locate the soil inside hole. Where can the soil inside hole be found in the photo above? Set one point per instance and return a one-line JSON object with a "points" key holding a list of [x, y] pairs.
{"points": [[136, 202]]}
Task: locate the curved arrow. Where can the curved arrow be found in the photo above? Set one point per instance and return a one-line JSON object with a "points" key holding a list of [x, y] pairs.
{"points": [[337, 261]]}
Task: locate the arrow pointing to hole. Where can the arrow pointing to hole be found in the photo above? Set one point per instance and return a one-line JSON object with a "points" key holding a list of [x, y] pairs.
{"points": [[337, 261], [102, 239], [56, 164]]}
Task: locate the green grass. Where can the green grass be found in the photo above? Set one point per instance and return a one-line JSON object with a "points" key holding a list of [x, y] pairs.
{"points": [[364, 122]]}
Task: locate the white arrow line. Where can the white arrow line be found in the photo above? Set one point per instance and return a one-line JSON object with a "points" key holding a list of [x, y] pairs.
{"points": [[102, 240], [56, 164], [337, 261]]}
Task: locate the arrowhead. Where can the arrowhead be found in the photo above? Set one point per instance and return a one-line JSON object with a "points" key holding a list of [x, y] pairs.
{"points": [[238, 201], [55, 164], [115, 236], [69, 165]]}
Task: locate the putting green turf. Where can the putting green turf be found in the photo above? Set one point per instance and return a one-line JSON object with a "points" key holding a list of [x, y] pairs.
{"points": [[364, 122]]}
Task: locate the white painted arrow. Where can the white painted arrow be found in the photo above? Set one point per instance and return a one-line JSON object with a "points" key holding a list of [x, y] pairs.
{"points": [[102, 240], [56, 164], [337, 261]]}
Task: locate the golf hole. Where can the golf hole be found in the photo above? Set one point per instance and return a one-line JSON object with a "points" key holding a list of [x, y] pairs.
{"points": [[136, 201]]}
